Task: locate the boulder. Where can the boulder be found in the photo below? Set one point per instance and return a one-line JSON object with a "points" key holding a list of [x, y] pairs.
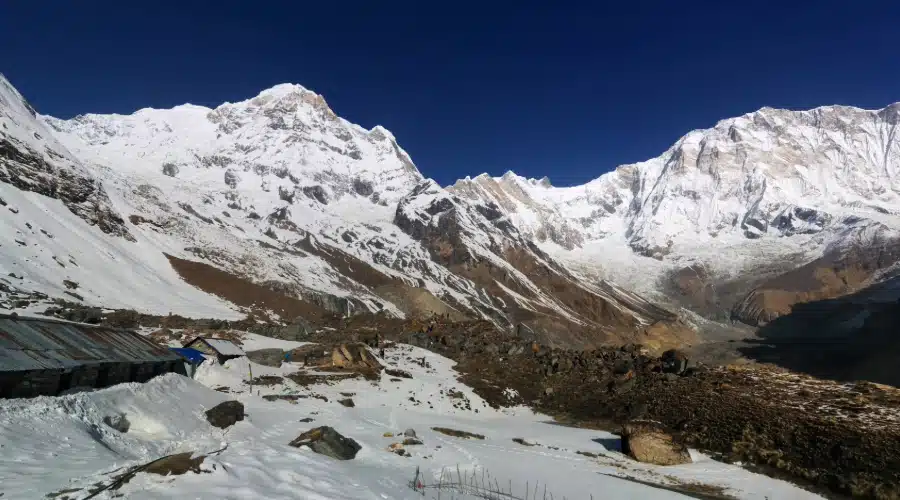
{"points": [[396, 372], [348, 402], [410, 433], [175, 465], [674, 361], [225, 414], [649, 442], [117, 422], [327, 441], [268, 357], [353, 356]]}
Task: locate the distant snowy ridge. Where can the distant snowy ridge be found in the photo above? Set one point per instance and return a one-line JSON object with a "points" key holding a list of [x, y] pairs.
{"points": [[773, 185]]}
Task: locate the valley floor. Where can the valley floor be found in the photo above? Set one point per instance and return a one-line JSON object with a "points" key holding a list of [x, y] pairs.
{"points": [[61, 445]]}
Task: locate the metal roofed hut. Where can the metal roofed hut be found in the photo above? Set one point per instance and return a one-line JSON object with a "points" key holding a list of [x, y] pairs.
{"points": [[46, 357], [221, 349]]}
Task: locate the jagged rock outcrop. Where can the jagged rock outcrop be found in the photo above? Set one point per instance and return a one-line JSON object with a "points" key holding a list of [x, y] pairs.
{"points": [[31, 159]]}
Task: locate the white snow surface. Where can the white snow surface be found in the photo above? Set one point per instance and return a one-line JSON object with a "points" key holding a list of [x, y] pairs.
{"points": [[51, 444], [225, 347]]}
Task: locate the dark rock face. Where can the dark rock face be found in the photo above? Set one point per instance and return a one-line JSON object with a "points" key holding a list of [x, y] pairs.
{"points": [[225, 414], [394, 372], [647, 441], [170, 169], [799, 220], [348, 402], [317, 193], [327, 441], [362, 187], [117, 422], [724, 410], [84, 196], [674, 361], [268, 357], [849, 338]]}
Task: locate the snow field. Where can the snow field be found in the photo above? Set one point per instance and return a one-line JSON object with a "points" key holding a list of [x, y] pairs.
{"points": [[51, 444]]}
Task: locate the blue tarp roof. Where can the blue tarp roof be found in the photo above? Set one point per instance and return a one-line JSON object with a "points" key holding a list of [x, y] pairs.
{"points": [[193, 355]]}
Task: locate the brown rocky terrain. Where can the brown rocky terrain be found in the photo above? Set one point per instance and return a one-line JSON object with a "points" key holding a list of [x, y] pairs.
{"points": [[526, 286], [836, 438], [834, 275], [850, 338]]}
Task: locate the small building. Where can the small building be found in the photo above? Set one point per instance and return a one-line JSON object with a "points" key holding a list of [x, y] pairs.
{"points": [[221, 349], [46, 357], [192, 359]]}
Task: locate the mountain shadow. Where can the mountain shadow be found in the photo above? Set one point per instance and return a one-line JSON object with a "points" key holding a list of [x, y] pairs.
{"points": [[851, 338]]}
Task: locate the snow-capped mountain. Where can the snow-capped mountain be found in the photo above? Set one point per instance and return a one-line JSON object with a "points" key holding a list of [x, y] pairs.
{"points": [[751, 197], [277, 204]]}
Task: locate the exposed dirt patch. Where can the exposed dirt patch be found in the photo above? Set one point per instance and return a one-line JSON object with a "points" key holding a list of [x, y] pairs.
{"points": [[456, 433], [692, 490], [306, 379], [241, 291], [267, 380]]}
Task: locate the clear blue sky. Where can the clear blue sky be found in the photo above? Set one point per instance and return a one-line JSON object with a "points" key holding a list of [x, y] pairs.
{"points": [[557, 88]]}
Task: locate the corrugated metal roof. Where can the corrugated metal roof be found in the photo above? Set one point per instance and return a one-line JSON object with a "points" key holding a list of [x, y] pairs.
{"points": [[36, 344], [224, 347]]}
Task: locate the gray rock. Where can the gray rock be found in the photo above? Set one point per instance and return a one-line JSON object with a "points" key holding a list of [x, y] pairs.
{"points": [[225, 414], [410, 433], [268, 357], [117, 422], [348, 402], [327, 441]]}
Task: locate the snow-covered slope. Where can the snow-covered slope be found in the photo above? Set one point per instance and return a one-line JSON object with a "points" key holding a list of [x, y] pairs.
{"points": [[767, 186], [61, 444], [61, 235]]}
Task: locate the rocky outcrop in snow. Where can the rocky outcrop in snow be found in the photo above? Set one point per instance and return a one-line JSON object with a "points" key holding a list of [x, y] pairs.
{"points": [[32, 160]]}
